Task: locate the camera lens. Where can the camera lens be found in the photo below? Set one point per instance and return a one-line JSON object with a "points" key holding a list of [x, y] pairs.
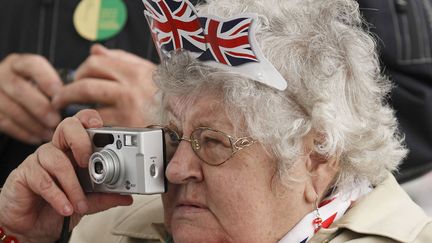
{"points": [[99, 168], [104, 167]]}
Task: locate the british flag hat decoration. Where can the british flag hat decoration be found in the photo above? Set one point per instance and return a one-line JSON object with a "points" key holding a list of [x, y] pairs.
{"points": [[228, 44]]}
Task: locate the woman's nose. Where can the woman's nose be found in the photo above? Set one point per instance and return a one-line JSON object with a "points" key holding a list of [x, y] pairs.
{"points": [[184, 166]]}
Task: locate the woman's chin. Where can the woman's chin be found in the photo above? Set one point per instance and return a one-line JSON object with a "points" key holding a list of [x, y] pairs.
{"points": [[187, 232]]}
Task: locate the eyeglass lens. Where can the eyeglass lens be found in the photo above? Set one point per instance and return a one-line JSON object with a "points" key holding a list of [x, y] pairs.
{"points": [[213, 147]]}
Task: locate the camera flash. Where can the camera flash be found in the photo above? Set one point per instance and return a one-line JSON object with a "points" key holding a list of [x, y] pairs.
{"points": [[130, 140]]}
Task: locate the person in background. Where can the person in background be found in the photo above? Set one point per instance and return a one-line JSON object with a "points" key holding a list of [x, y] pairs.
{"points": [[41, 39], [404, 34], [300, 148]]}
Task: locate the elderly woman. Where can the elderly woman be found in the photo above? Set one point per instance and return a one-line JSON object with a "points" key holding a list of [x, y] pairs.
{"points": [[249, 161]]}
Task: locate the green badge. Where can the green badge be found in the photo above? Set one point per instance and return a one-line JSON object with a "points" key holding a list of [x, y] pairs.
{"points": [[97, 20]]}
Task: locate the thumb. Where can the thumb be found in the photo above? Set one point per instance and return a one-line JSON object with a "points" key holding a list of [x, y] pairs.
{"points": [[98, 49]]}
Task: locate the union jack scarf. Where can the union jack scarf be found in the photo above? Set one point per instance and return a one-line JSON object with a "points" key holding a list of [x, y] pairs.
{"points": [[330, 210], [227, 44]]}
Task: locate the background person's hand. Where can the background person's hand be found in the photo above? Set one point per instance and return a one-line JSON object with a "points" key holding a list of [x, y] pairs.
{"points": [[44, 188], [119, 83], [27, 82]]}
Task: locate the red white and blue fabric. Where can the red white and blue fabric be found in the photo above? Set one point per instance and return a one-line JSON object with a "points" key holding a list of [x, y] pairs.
{"points": [[175, 25], [228, 44], [227, 41], [330, 210]]}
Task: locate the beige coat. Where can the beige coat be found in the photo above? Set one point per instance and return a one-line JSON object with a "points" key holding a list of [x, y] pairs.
{"points": [[386, 214]]}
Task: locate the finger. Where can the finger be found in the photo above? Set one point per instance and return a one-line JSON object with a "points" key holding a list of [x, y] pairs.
{"points": [[38, 69], [90, 118], [111, 116], [71, 135], [98, 49], [102, 201], [121, 117], [12, 129], [89, 91], [16, 114], [57, 164], [29, 97], [90, 68], [114, 65], [41, 183]]}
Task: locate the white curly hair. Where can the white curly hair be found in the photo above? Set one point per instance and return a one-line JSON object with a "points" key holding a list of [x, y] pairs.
{"points": [[335, 87]]}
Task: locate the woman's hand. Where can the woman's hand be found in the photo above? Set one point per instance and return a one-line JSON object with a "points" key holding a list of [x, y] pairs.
{"points": [[44, 188]]}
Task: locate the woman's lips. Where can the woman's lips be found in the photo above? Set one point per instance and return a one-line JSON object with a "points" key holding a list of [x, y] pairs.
{"points": [[189, 207]]}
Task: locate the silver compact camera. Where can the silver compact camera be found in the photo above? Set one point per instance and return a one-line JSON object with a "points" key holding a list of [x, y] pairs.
{"points": [[125, 161]]}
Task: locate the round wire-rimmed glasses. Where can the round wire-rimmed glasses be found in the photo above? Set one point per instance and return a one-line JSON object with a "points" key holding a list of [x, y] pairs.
{"points": [[212, 146]]}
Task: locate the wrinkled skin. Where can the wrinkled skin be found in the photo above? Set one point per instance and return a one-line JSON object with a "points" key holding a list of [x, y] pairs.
{"points": [[238, 201], [44, 188]]}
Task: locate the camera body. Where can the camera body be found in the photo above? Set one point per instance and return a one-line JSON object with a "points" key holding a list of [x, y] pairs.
{"points": [[125, 161]]}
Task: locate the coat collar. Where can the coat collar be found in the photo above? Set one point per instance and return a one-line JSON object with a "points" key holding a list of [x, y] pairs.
{"points": [[386, 211], [383, 212], [144, 220]]}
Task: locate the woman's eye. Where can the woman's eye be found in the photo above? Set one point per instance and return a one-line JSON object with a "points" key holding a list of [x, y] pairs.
{"points": [[173, 137], [213, 142]]}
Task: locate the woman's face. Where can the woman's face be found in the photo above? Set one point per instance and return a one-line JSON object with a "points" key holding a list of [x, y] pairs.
{"points": [[238, 201]]}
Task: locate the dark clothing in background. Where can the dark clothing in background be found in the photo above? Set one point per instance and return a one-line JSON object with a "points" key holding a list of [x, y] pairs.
{"points": [[404, 31], [403, 27], [46, 27], [27, 27]]}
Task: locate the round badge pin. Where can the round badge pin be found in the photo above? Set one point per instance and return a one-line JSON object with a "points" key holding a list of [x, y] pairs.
{"points": [[98, 20]]}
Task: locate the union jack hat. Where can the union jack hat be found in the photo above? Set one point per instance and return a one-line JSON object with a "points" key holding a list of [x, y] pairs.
{"points": [[228, 44]]}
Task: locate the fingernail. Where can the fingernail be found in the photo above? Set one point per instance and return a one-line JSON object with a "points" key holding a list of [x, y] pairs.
{"points": [[53, 119], [67, 210], [95, 122], [102, 47], [82, 207]]}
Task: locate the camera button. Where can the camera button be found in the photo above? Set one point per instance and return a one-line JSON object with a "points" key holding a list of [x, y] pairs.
{"points": [[153, 170], [119, 144]]}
